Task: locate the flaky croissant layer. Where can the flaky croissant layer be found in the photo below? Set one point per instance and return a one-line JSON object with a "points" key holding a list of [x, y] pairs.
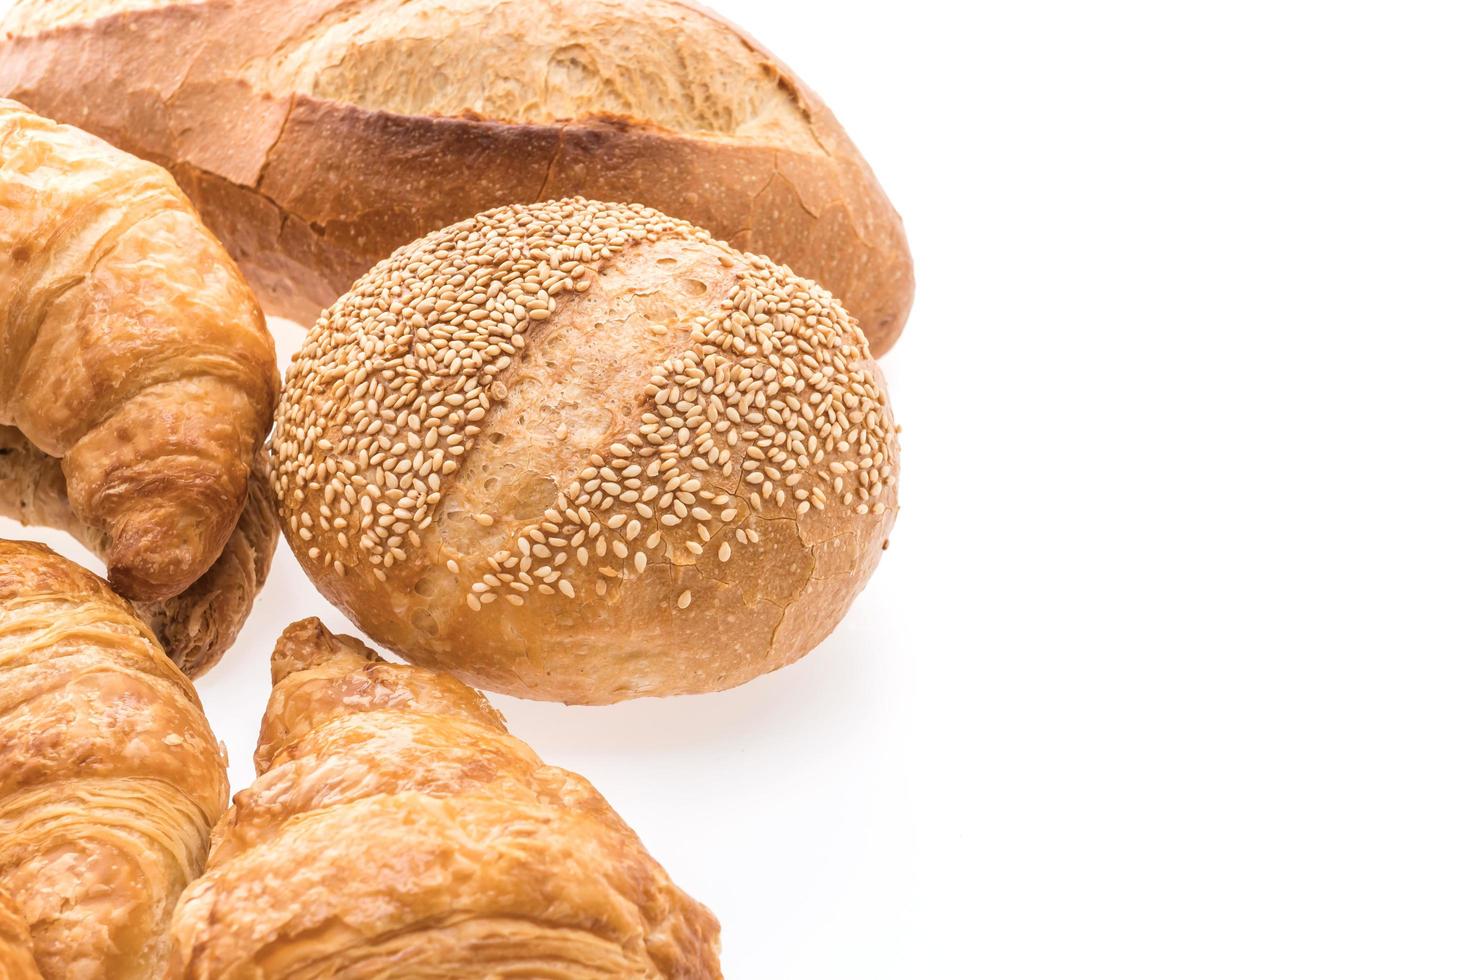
{"points": [[17, 962], [194, 627], [130, 348], [398, 830], [109, 776]]}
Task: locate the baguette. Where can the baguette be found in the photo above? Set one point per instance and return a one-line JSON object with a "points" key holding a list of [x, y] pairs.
{"points": [[319, 135]]}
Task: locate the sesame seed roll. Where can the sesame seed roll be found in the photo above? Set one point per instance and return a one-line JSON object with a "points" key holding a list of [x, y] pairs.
{"points": [[585, 452]]}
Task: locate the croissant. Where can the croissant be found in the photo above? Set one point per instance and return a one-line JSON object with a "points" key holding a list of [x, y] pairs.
{"points": [[109, 775], [130, 348], [397, 830], [194, 627]]}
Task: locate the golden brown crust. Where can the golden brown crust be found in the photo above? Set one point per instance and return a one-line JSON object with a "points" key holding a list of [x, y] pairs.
{"points": [[130, 348], [318, 136], [109, 775], [582, 451], [199, 624], [17, 962], [398, 830]]}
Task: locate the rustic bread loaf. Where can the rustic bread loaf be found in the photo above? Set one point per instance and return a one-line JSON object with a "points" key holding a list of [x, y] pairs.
{"points": [[585, 452], [317, 136]]}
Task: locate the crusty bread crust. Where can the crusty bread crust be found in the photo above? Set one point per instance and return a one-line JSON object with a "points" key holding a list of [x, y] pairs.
{"points": [[310, 177], [582, 451]]}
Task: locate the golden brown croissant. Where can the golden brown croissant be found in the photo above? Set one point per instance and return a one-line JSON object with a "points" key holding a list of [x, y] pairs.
{"points": [[109, 775], [196, 626], [397, 830], [16, 960], [130, 348]]}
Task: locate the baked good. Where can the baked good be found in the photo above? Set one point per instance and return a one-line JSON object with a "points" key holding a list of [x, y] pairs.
{"points": [[130, 348], [397, 830], [194, 627], [17, 962], [109, 775], [583, 451], [317, 136]]}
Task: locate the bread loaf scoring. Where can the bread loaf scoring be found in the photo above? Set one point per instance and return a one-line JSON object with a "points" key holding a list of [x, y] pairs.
{"points": [[316, 136], [586, 452]]}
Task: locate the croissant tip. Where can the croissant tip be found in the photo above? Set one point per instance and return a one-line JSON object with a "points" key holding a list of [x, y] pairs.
{"points": [[302, 644], [143, 567], [307, 643]]}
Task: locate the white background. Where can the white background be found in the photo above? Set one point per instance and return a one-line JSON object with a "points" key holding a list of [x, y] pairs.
{"points": [[1165, 674]]}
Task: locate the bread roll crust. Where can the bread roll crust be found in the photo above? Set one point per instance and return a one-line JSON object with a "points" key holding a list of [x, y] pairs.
{"points": [[318, 136], [109, 775], [398, 830], [585, 452]]}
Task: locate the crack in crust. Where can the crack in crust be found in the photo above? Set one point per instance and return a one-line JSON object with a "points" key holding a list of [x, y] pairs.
{"points": [[318, 136]]}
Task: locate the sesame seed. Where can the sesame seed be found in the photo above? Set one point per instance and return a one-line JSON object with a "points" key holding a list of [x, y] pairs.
{"points": [[774, 398]]}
